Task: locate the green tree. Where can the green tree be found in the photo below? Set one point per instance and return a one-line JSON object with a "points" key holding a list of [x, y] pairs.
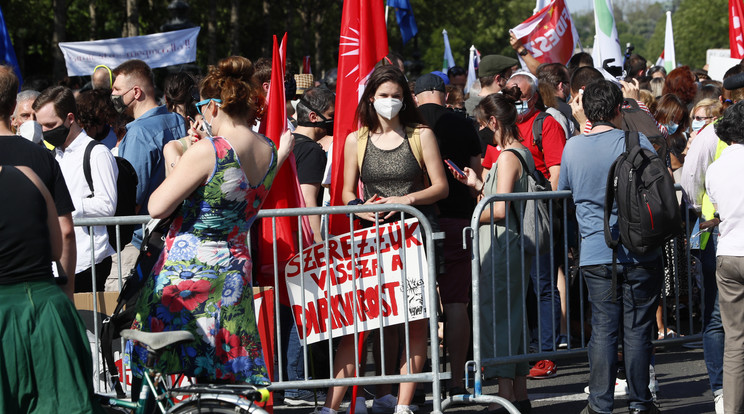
{"points": [[698, 26]]}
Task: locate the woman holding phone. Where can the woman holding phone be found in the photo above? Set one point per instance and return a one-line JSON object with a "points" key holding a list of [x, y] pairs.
{"points": [[503, 292], [202, 280], [391, 173]]}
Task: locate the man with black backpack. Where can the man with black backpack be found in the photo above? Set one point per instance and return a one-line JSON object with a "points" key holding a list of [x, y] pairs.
{"points": [[623, 286], [56, 111]]}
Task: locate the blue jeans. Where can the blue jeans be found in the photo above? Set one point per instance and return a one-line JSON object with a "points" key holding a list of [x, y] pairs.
{"points": [[549, 302], [633, 305], [294, 368], [713, 335]]}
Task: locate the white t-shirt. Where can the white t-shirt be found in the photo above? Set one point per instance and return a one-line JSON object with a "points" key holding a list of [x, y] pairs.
{"points": [[724, 189]]}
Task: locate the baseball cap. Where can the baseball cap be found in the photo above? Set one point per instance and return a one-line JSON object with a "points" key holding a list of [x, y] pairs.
{"points": [[428, 82], [492, 65]]}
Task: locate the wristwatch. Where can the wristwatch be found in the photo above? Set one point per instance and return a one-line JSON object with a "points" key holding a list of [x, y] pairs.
{"points": [[524, 52]]}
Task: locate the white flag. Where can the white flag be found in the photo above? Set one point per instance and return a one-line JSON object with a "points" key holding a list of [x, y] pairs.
{"points": [[472, 68], [157, 50], [448, 60], [670, 61], [606, 42]]}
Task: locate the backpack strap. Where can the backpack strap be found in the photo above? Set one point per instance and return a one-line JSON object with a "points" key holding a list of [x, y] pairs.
{"points": [[525, 170], [537, 128], [86, 166], [414, 139], [362, 137]]}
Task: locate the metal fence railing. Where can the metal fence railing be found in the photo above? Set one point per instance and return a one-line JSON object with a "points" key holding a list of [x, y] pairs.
{"points": [[678, 303]]}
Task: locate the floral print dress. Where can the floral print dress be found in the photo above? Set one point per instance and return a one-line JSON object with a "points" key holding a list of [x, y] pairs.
{"points": [[202, 280]]}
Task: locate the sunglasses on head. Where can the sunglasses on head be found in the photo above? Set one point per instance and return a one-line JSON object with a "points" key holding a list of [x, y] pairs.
{"points": [[204, 102]]}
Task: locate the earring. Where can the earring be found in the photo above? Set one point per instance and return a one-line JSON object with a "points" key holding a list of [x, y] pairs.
{"points": [[404, 107]]}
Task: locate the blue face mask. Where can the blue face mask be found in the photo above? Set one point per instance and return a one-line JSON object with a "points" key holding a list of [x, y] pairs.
{"points": [[522, 107], [671, 128], [698, 125]]}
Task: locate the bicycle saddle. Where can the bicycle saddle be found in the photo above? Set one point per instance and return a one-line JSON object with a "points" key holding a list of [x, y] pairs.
{"points": [[157, 340]]}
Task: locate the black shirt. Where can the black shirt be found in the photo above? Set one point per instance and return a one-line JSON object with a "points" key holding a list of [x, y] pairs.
{"points": [[458, 141], [16, 150], [311, 161], [25, 250]]}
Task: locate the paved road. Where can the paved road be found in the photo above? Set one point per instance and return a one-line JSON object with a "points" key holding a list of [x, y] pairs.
{"points": [[683, 383]]}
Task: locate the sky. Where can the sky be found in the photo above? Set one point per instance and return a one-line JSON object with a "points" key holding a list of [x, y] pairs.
{"points": [[584, 5], [580, 5]]}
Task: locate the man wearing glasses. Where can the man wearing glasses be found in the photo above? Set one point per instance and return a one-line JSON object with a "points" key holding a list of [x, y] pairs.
{"points": [[133, 94]]}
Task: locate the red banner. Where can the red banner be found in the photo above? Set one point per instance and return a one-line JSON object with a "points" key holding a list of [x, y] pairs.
{"points": [[363, 43], [736, 31], [549, 34]]}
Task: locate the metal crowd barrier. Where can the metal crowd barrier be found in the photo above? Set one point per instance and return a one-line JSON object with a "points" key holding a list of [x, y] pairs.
{"points": [[432, 376], [577, 338]]}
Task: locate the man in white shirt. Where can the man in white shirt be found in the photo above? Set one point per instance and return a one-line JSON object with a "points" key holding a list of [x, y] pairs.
{"points": [[56, 112], [721, 184]]}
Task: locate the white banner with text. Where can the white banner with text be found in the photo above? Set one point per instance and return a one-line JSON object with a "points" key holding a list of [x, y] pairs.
{"points": [[336, 296], [157, 50]]}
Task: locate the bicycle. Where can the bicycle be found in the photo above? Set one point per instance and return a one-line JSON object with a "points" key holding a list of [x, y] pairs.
{"points": [[204, 398]]}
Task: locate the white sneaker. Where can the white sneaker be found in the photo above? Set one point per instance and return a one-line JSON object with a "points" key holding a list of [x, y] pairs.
{"points": [[719, 403], [386, 405], [621, 387]]}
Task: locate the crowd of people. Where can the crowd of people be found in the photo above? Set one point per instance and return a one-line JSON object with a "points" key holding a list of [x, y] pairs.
{"points": [[199, 159]]}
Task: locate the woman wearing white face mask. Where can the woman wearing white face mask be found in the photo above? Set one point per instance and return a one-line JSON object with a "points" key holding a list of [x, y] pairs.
{"points": [[703, 113], [391, 173]]}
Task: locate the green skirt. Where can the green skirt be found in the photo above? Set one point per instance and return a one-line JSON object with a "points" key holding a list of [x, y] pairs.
{"points": [[45, 360]]}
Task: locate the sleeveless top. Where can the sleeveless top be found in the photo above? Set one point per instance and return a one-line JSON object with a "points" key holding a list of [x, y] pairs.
{"points": [[25, 250], [389, 173], [202, 281]]}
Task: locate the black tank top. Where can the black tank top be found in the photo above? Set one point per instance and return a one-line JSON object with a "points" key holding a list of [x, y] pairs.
{"points": [[25, 249]]}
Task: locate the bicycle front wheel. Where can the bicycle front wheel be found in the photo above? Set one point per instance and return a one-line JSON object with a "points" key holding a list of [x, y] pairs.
{"points": [[215, 406]]}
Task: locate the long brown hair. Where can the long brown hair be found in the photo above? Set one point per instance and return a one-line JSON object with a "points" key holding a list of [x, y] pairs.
{"points": [[366, 114]]}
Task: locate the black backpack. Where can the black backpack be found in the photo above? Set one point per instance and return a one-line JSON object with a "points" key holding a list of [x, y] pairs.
{"points": [[636, 119], [126, 191], [537, 128], [647, 207], [123, 314]]}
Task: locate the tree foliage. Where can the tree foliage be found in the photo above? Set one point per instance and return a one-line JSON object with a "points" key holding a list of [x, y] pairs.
{"points": [[245, 27], [698, 26]]}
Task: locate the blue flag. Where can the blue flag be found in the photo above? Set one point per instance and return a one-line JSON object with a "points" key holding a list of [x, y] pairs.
{"points": [[7, 54], [406, 21]]}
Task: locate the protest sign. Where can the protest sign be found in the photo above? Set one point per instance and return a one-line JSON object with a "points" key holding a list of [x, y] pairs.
{"points": [[369, 290], [549, 34], [157, 50]]}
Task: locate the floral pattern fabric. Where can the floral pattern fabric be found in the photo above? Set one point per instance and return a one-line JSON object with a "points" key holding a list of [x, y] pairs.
{"points": [[202, 280]]}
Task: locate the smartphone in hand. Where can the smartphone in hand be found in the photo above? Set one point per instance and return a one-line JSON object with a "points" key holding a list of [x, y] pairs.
{"points": [[455, 167]]}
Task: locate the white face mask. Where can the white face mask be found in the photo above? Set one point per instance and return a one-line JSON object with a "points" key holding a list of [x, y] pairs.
{"points": [[698, 125], [388, 108]]}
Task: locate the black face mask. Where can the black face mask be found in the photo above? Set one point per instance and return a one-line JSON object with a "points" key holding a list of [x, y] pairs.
{"points": [[326, 124], [118, 101], [57, 136]]}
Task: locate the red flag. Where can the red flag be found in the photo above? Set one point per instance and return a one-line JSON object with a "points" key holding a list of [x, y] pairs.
{"points": [[549, 34], [285, 190], [306, 65], [736, 31], [362, 44]]}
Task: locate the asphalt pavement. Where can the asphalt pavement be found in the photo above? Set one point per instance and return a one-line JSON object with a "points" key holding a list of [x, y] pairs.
{"points": [[680, 370]]}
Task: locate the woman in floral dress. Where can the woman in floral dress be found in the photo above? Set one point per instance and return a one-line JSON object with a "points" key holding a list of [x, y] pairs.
{"points": [[202, 280]]}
